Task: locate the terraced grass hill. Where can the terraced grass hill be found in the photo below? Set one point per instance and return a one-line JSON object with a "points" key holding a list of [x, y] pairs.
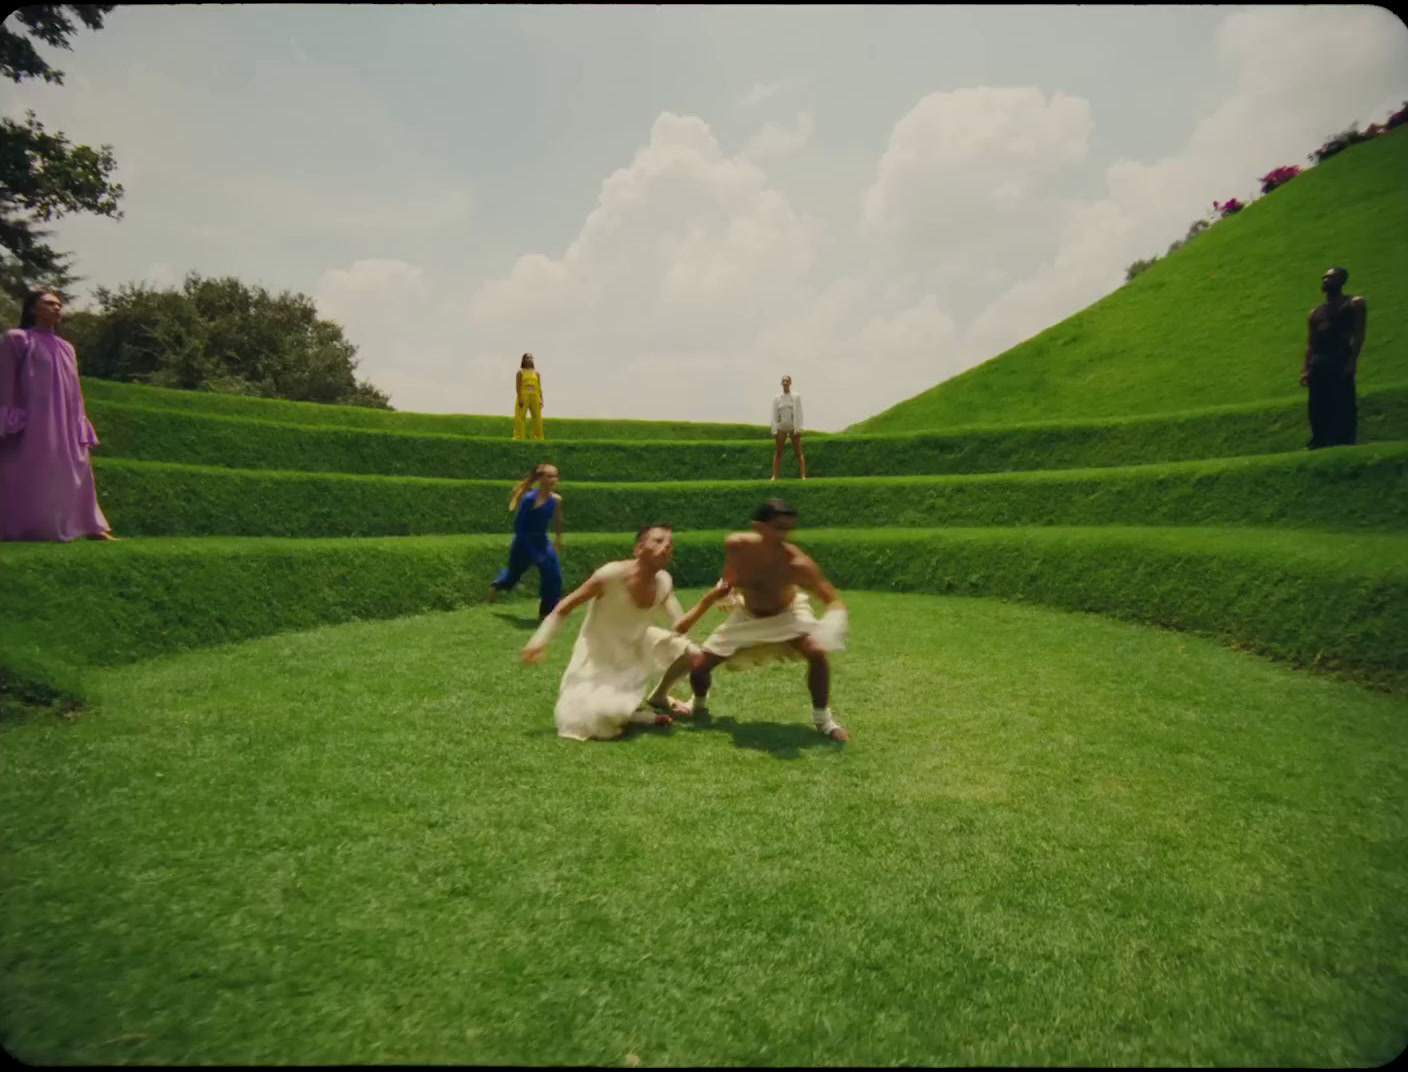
{"points": [[370, 846], [1222, 321], [251, 516]]}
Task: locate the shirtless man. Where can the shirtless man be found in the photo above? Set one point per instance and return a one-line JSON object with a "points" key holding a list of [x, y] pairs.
{"points": [[1331, 360], [775, 620]]}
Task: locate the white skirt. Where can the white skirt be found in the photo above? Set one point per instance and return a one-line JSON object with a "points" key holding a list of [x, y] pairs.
{"points": [[599, 696], [746, 640]]}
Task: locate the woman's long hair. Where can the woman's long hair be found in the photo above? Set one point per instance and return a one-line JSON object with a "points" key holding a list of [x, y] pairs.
{"points": [[522, 487], [526, 361], [27, 309]]}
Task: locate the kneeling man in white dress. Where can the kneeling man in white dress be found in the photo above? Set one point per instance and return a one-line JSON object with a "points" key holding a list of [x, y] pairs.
{"points": [[620, 644]]}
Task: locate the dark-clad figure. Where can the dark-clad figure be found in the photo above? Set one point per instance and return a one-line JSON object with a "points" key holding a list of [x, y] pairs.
{"points": [[1331, 358]]}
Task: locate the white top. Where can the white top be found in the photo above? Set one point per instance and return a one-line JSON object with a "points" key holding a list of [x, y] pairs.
{"points": [[787, 412]]}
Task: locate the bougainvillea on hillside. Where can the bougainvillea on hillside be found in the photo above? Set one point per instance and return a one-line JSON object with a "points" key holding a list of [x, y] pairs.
{"points": [[1279, 177], [1230, 207]]}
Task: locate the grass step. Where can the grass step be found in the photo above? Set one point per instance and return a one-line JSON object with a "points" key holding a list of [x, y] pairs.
{"points": [[1344, 488], [193, 438], [1338, 600]]}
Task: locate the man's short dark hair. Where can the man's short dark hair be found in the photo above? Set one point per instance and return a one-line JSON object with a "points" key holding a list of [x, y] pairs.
{"points": [[640, 534], [771, 509], [1342, 273]]}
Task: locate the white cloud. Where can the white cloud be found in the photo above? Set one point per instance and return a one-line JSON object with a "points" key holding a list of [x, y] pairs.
{"points": [[852, 353], [776, 140], [683, 242], [759, 93], [959, 160], [1300, 75], [688, 293], [386, 309]]}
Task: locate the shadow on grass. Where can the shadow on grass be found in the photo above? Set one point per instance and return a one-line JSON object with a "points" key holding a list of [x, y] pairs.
{"points": [[784, 740], [517, 621], [22, 701], [631, 732]]}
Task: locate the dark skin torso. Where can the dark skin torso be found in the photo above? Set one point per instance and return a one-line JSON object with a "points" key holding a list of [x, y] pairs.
{"points": [[768, 576], [1332, 333]]}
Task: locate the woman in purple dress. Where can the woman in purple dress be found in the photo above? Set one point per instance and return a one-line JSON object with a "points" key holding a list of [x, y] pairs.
{"points": [[46, 477]]}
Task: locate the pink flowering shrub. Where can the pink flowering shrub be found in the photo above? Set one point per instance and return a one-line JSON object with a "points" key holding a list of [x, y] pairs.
{"points": [[1279, 177], [1230, 207]]}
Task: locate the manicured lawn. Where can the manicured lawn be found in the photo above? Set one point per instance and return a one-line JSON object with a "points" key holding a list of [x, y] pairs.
{"points": [[1054, 840]]}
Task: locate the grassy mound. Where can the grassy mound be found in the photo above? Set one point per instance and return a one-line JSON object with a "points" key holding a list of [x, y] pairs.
{"points": [[167, 435], [364, 845], [210, 403], [1221, 321], [1336, 600], [1352, 487]]}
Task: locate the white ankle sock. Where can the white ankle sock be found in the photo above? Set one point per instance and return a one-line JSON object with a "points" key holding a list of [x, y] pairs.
{"points": [[824, 722]]}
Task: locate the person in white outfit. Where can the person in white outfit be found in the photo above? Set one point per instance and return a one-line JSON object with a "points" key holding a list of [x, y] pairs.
{"points": [[620, 645], [787, 421]]}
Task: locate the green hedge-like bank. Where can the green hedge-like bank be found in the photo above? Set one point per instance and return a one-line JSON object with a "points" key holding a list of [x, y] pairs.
{"points": [[1348, 488], [192, 438], [1330, 600], [313, 414]]}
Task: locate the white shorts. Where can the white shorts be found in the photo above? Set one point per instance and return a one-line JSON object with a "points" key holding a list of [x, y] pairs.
{"points": [[785, 429]]}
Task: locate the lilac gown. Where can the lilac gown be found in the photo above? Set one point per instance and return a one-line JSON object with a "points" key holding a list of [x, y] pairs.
{"points": [[46, 479]]}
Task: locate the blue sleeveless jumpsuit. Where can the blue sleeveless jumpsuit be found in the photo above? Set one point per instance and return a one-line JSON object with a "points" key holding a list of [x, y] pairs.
{"points": [[531, 547]]}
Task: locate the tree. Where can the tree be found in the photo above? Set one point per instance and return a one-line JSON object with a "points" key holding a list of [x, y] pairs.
{"points": [[1137, 267], [1195, 228], [42, 176], [222, 335]]}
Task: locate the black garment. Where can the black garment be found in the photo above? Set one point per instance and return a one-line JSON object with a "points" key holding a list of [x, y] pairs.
{"points": [[1333, 408]]}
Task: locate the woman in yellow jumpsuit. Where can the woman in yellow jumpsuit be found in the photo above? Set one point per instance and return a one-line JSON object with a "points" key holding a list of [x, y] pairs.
{"points": [[528, 399]]}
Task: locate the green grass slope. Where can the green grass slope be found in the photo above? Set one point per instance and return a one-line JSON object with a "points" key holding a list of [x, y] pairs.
{"points": [[1221, 321], [311, 413], [166, 435]]}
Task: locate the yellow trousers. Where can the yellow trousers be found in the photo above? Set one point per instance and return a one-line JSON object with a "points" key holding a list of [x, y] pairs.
{"points": [[530, 405]]}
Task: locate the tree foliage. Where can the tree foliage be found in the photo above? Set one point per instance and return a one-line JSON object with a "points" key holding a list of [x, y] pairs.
{"points": [[42, 176], [1137, 267], [220, 335]]}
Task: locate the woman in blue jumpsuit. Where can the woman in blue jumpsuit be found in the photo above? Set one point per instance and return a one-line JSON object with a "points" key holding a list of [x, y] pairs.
{"points": [[530, 547]]}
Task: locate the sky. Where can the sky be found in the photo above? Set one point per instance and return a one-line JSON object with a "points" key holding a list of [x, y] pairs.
{"points": [[673, 207]]}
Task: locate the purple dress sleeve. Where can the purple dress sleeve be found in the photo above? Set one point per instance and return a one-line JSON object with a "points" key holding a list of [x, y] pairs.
{"points": [[13, 349]]}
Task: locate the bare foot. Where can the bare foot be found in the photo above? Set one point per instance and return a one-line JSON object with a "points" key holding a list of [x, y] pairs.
{"points": [[108, 536], [669, 707], [664, 720]]}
